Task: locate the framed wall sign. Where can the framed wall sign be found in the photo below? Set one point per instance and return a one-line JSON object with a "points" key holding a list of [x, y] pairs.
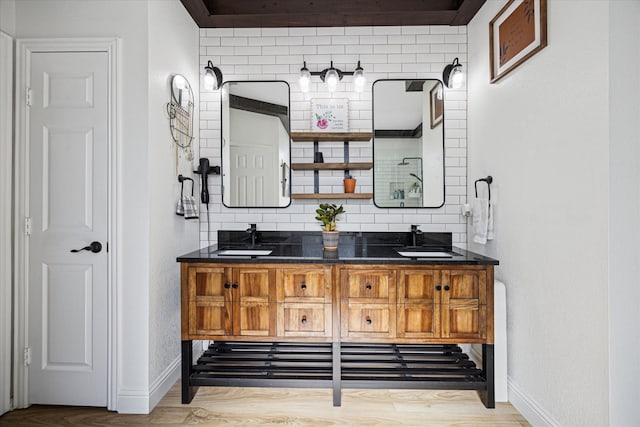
{"points": [[437, 105], [329, 115], [516, 33]]}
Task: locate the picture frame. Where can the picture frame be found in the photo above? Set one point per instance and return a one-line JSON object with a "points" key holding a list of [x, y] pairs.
{"points": [[330, 115], [516, 33], [437, 105]]}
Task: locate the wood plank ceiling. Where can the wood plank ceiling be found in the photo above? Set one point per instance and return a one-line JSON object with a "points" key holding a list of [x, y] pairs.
{"points": [[329, 13]]}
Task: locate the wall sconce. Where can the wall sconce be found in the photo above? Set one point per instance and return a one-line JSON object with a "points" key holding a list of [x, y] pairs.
{"points": [[452, 76], [331, 76], [212, 77]]}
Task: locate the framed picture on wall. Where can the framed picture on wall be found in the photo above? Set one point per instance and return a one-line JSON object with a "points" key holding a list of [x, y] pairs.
{"points": [[437, 105], [516, 33], [329, 115]]}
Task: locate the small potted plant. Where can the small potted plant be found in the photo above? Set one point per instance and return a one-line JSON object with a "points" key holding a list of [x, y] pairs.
{"points": [[327, 214], [349, 184]]}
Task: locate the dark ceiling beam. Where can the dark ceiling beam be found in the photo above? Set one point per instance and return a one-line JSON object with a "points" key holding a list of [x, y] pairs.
{"points": [[467, 11], [306, 13]]}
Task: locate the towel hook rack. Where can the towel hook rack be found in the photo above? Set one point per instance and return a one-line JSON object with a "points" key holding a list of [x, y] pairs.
{"points": [[488, 180]]}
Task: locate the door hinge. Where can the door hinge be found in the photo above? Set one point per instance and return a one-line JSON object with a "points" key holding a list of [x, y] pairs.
{"points": [[29, 97], [27, 356], [27, 226]]}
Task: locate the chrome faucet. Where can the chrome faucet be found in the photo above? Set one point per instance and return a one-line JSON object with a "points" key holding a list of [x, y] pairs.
{"points": [[252, 230], [415, 231]]}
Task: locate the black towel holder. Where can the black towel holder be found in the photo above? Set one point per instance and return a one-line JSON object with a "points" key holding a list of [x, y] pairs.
{"points": [[488, 180]]}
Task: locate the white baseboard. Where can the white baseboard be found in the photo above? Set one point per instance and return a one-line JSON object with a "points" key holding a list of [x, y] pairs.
{"points": [[529, 408], [164, 382], [142, 401]]}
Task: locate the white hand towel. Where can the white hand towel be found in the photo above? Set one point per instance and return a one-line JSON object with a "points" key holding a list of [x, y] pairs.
{"points": [[490, 233], [482, 221]]}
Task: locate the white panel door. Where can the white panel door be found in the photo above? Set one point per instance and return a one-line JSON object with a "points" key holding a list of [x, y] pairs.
{"points": [[68, 147]]}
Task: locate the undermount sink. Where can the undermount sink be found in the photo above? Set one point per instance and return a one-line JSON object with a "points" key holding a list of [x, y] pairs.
{"points": [[422, 252], [245, 252]]}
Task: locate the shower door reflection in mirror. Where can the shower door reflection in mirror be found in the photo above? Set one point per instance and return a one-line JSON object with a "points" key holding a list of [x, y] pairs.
{"points": [[408, 143], [256, 154]]}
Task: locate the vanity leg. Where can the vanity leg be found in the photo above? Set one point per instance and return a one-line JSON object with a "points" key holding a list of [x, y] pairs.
{"points": [[188, 391], [337, 373], [488, 395]]}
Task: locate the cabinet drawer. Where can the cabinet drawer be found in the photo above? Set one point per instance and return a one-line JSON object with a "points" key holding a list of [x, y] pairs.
{"points": [[366, 286], [299, 320], [305, 285], [374, 320]]}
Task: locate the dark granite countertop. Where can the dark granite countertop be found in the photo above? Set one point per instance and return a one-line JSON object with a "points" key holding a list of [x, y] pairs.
{"points": [[354, 248]]}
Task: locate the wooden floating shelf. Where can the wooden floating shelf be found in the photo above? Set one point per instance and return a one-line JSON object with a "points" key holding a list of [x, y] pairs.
{"points": [[331, 166], [332, 196], [330, 136]]}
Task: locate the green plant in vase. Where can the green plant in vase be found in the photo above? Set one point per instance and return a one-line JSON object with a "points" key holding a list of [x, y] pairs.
{"points": [[327, 214]]}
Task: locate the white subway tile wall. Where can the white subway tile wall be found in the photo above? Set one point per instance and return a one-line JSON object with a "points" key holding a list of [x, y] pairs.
{"points": [[384, 52]]}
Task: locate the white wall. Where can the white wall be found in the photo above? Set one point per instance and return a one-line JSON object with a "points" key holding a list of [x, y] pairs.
{"points": [[624, 207], [128, 21], [147, 282], [384, 52], [542, 133], [173, 48], [8, 16]]}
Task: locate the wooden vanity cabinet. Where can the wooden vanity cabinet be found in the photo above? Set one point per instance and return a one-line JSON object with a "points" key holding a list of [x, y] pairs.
{"points": [[442, 304], [227, 301], [329, 323]]}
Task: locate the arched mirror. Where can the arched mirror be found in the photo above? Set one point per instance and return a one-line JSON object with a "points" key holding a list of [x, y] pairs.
{"points": [[256, 154], [408, 143]]}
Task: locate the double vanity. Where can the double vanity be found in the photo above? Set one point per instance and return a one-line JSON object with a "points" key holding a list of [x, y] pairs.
{"points": [[386, 310]]}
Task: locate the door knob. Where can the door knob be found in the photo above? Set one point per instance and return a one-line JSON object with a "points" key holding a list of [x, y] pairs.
{"points": [[94, 247]]}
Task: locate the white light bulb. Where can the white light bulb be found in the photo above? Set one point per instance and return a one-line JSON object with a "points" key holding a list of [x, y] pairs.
{"points": [[209, 81], [359, 80], [304, 80], [331, 79], [457, 78]]}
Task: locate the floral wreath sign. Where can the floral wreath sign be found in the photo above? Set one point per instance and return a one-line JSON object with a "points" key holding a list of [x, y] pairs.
{"points": [[329, 115]]}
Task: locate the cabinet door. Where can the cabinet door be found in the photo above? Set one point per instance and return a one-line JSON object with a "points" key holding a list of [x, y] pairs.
{"points": [[254, 307], [305, 285], [209, 301], [419, 303], [464, 299]]}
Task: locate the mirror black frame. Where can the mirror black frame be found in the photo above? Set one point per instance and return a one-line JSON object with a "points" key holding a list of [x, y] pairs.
{"points": [[373, 132], [287, 128]]}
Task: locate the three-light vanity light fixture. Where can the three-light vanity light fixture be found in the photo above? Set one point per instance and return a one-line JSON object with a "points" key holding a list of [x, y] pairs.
{"points": [[452, 76], [331, 76]]}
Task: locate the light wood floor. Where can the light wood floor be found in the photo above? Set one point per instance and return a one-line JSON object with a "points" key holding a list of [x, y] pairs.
{"points": [[216, 406]]}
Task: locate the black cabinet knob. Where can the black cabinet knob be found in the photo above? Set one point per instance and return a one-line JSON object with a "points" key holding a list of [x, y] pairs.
{"points": [[368, 321], [368, 287], [303, 286], [304, 320], [234, 286], [438, 288], [446, 288], [227, 285]]}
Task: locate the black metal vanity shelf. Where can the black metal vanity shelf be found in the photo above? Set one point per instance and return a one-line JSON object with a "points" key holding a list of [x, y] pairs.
{"points": [[364, 317]]}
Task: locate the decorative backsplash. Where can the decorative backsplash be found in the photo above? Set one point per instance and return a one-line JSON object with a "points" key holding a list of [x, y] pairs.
{"points": [[384, 52]]}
